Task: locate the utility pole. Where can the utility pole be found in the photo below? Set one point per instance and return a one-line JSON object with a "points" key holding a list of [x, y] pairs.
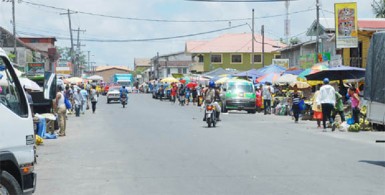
{"points": [[72, 40], [157, 65], [88, 61], [14, 31], [263, 45], [317, 33], [287, 22], [78, 45], [252, 41]]}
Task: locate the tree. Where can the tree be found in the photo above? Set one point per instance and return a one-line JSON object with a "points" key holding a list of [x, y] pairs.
{"points": [[65, 54], [379, 8], [294, 41]]}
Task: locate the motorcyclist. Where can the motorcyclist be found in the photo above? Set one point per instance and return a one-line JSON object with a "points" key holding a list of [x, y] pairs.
{"points": [[209, 97], [123, 92]]}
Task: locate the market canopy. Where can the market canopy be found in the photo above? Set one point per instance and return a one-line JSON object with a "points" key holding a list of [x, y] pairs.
{"points": [[271, 78], [95, 78], [169, 80], [286, 79], [270, 69], [338, 73], [219, 71]]}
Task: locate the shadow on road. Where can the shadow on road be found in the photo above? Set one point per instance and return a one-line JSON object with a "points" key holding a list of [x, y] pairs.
{"points": [[378, 163]]}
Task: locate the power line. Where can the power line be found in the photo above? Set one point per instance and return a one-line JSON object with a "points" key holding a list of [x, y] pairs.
{"points": [[163, 20], [144, 40]]}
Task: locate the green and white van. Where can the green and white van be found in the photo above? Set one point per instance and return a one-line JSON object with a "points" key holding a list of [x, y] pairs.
{"points": [[239, 95]]}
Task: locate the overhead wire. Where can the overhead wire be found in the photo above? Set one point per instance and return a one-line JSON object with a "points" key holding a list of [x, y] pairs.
{"points": [[144, 40], [163, 20]]}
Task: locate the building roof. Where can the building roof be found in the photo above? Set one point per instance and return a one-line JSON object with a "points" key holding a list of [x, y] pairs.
{"points": [[103, 68], [142, 62], [233, 43], [370, 24]]}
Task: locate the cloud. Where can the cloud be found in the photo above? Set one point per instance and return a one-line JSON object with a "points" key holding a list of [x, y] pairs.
{"points": [[46, 21]]}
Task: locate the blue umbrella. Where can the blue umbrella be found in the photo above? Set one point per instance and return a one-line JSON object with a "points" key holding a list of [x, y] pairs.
{"points": [[338, 73]]}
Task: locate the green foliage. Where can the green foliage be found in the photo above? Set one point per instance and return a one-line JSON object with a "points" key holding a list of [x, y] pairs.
{"points": [[11, 56], [294, 41], [379, 8], [65, 54]]}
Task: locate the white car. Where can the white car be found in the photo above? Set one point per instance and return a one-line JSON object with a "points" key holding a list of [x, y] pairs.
{"points": [[113, 94]]}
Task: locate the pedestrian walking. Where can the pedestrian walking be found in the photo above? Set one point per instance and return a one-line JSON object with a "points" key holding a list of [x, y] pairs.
{"points": [[355, 102], [174, 90], [339, 108], [327, 100], [85, 100], [94, 98], [78, 99], [258, 98], [61, 111], [194, 94], [317, 110], [295, 100], [267, 95]]}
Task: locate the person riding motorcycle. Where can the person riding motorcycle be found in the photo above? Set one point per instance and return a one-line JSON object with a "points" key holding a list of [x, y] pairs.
{"points": [[210, 97], [123, 92]]}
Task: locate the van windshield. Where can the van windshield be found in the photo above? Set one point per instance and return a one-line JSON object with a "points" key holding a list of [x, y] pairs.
{"points": [[240, 87]]}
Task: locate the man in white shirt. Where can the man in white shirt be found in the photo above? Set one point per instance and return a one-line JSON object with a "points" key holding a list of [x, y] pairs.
{"points": [[267, 92], [327, 99]]}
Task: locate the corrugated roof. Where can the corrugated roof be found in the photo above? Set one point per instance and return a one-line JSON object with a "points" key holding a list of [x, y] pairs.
{"points": [[233, 43], [372, 24], [102, 68], [142, 62]]}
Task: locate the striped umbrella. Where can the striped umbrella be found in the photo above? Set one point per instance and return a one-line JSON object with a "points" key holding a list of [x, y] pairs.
{"points": [[271, 78]]}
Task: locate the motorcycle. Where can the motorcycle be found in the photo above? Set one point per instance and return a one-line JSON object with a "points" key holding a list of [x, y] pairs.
{"points": [[210, 113], [123, 100]]}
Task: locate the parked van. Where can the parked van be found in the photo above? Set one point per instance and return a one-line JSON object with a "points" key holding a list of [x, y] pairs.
{"points": [[239, 95], [17, 139]]}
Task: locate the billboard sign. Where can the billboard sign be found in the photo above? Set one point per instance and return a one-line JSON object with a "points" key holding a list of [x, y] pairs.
{"points": [[281, 62], [346, 25], [35, 68]]}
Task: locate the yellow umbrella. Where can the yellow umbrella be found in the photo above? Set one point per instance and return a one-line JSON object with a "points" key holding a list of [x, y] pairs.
{"points": [[74, 80], [222, 80], [169, 80], [300, 84]]}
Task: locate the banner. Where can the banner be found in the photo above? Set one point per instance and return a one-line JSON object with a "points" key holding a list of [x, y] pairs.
{"points": [[281, 62], [346, 25], [35, 68], [307, 61]]}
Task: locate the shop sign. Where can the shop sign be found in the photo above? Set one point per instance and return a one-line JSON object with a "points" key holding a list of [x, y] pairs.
{"points": [[346, 25], [35, 68], [281, 62]]}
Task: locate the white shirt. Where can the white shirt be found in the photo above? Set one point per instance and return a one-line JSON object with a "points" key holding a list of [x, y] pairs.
{"points": [[266, 92], [327, 95]]}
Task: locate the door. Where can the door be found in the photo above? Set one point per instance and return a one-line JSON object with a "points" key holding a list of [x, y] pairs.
{"points": [[356, 56]]}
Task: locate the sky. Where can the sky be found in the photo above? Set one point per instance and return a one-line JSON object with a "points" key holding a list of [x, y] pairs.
{"points": [[48, 20]]}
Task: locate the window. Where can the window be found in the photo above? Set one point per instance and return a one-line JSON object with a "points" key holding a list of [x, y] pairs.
{"points": [[216, 58], [277, 56], [180, 70], [11, 93], [184, 70], [257, 58], [236, 59], [201, 60], [168, 71]]}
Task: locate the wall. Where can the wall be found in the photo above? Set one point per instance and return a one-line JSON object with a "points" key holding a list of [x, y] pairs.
{"points": [[365, 38], [107, 74], [245, 65]]}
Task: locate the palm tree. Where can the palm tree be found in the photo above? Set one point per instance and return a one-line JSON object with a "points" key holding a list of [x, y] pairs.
{"points": [[379, 8]]}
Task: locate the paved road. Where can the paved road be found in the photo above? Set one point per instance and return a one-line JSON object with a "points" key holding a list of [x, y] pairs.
{"points": [[155, 147]]}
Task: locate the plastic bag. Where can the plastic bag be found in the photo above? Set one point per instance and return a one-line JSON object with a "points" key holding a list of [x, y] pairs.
{"points": [[67, 103]]}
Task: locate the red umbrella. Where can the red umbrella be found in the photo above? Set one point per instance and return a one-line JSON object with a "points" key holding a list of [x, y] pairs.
{"points": [[182, 81], [191, 85]]}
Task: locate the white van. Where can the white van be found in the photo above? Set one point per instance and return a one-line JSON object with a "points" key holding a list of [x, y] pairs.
{"points": [[16, 134]]}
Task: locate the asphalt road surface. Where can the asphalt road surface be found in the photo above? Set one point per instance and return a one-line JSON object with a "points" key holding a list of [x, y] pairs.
{"points": [[154, 147]]}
